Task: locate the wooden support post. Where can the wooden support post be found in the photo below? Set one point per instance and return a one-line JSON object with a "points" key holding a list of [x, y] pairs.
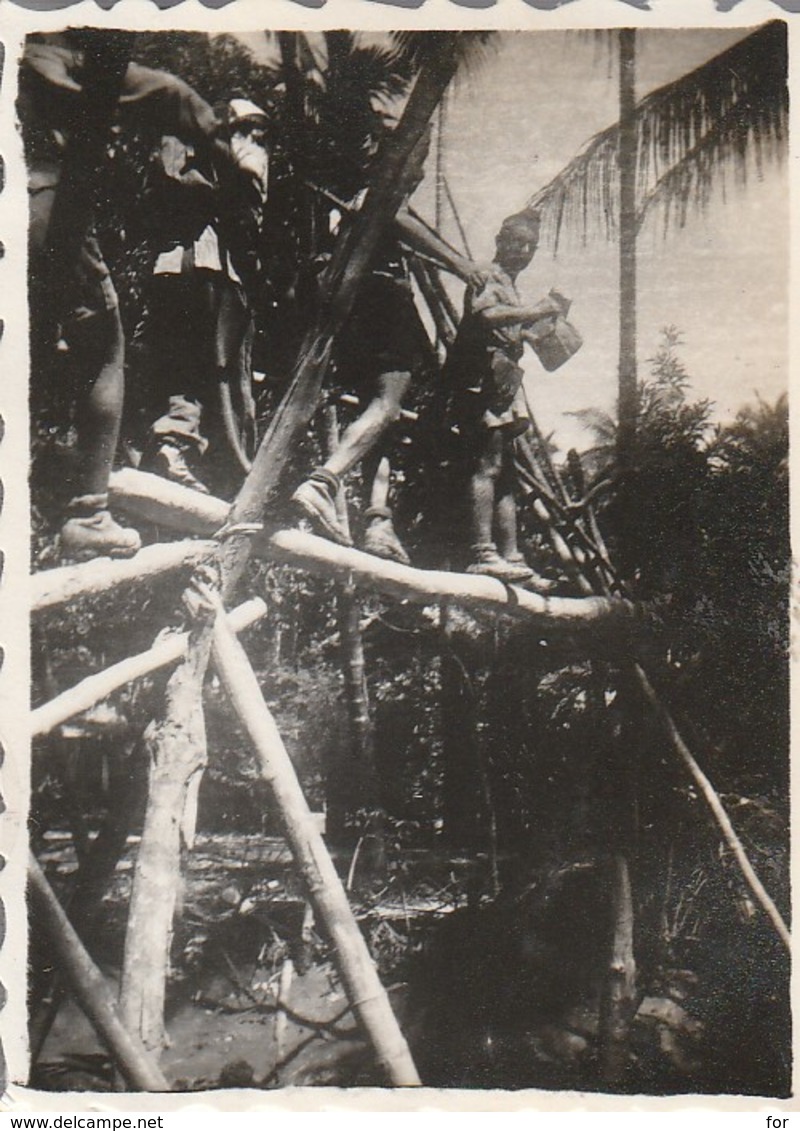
{"points": [[51, 588], [164, 652], [361, 776], [176, 744], [618, 1002], [354, 963], [136, 1064]]}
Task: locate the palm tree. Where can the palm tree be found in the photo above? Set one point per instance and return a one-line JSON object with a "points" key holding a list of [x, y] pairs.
{"points": [[669, 151]]}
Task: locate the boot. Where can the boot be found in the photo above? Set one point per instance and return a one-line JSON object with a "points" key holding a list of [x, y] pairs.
{"points": [[380, 537], [169, 461], [535, 582], [487, 562], [316, 499], [91, 532]]}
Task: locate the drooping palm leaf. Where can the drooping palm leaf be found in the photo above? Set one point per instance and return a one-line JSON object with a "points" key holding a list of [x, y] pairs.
{"points": [[418, 48], [691, 134]]}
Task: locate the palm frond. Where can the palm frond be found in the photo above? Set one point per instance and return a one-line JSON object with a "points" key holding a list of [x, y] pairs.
{"points": [[691, 134], [422, 47]]}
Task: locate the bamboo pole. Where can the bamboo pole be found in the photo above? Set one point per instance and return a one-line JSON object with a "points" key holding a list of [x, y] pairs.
{"points": [[165, 651], [714, 803], [91, 990], [327, 895], [52, 588], [363, 782]]}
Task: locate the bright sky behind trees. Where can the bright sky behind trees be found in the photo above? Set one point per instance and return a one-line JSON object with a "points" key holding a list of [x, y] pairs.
{"points": [[516, 121]]}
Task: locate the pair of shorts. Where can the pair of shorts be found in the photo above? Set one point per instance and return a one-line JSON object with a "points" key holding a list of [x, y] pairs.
{"points": [[495, 399], [67, 294], [384, 334]]}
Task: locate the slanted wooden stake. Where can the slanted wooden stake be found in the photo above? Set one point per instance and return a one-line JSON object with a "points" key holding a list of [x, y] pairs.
{"points": [[167, 650], [326, 893], [136, 1064]]}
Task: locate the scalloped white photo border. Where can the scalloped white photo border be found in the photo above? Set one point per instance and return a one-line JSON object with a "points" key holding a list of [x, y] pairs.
{"points": [[17, 18]]}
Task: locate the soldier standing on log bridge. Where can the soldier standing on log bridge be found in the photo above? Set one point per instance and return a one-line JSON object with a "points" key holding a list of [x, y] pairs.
{"points": [[72, 87], [381, 349], [488, 405]]}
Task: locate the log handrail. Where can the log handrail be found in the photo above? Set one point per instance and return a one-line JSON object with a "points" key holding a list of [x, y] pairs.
{"points": [[165, 651], [51, 588], [427, 586]]}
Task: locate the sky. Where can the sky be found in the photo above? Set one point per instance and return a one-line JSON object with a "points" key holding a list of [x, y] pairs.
{"points": [[722, 281], [514, 121]]}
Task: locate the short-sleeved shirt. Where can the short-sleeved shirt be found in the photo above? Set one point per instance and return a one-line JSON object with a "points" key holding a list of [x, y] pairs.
{"points": [[483, 364]]}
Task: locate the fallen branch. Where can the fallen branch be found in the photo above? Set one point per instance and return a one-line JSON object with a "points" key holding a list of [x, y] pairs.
{"points": [[53, 587], [167, 650]]}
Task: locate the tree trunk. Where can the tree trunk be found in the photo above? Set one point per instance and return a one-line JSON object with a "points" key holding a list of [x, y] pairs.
{"points": [[620, 987], [619, 991], [628, 223]]}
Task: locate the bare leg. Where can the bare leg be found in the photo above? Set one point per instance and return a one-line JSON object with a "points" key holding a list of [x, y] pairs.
{"points": [[100, 351], [505, 521], [316, 496], [492, 506], [482, 488], [364, 433], [88, 529], [380, 537], [505, 510], [379, 493]]}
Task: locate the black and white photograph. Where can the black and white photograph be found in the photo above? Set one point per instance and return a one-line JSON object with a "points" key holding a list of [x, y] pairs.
{"points": [[409, 595]]}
